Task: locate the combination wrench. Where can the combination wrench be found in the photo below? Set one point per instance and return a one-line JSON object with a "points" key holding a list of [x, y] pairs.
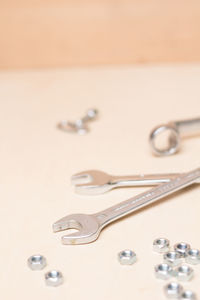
{"points": [[89, 226], [95, 182]]}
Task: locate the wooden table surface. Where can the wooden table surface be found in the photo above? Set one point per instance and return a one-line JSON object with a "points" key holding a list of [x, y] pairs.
{"points": [[37, 161]]}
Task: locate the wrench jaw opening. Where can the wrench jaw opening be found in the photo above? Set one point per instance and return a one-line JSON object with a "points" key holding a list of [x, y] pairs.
{"points": [[65, 224], [87, 226], [92, 182]]}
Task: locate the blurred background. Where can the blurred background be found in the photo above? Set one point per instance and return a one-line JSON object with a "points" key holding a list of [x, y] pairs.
{"points": [[62, 33]]}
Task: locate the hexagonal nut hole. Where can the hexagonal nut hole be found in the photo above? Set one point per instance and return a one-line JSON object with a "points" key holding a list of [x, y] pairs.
{"points": [[127, 257], [163, 271], [172, 258], [173, 290], [161, 245], [188, 295], [54, 278], [193, 256], [182, 248], [37, 262], [184, 273]]}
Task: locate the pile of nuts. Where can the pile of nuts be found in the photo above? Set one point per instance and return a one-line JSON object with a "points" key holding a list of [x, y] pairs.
{"points": [[173, 266]]}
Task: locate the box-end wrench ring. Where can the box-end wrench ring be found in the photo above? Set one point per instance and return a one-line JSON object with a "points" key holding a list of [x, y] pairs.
{"points": [[177, 129]]}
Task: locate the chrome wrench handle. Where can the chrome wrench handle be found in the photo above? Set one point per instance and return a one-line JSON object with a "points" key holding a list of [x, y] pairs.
{"points": [[177, 129], [120, 210], [188, 127], [142, 180], [89, 226]]}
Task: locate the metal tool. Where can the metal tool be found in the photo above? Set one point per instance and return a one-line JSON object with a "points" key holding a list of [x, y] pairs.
{"points": [[176, 130], [90, 226], [94, 182], [80, 125]]}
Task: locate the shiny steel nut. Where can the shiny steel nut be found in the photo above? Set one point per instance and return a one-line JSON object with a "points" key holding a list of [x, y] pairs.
{"points": [[173, 290], [193, 256], [161, 245], [184, 273], [189, 295], [127, 257], [172, 258], [37, 262], [54, 278], [163, 271], [182, 248]]}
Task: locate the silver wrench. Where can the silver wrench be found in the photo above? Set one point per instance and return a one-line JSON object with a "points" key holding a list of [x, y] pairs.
{"points": [[94, 182], [176, 129], [90, 226]]}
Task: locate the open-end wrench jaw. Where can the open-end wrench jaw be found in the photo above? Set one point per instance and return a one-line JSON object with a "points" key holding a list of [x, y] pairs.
{"points": [[87, 226], [92, 182]]}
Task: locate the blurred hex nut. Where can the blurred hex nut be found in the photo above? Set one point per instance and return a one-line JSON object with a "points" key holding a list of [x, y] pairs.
{"points": [[184, 273], [193, 256], [188, 295], [54, 278], [127, 257], [163, 271], [161, 245], [182, 248], [37, 262], [173, 290], [172, 258]]}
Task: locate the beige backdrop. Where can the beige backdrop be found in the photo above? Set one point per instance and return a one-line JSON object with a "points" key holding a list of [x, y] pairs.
{"points": [[37, 161], [57, 33]]}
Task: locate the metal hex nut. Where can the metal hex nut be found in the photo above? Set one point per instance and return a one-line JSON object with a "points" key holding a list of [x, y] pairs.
{"points": [[163, 271], [193, 256], [161, 245], [37, 262], [54, 278], [127, 257], [182, 248], [173, 290], [189, 295], [172, 258], [184, 273]]}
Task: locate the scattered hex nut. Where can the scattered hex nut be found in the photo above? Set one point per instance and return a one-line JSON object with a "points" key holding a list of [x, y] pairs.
{"points": [[163, 271], [172, 258], [54, 278], [188, 295], [37, 262], [161, 245], [193, 256], [173, 290], [127, 257], [184, 273], [182, 248]]}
